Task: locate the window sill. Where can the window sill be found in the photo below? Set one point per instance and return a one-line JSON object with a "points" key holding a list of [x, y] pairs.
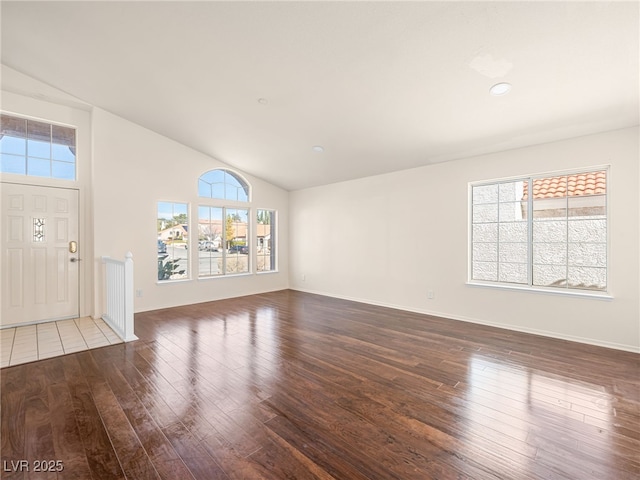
{"points": [[544, 291], [169, 282], [228, 275], [266, 272]]}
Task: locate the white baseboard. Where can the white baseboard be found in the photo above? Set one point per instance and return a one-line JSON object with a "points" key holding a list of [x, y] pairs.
{"points": [[534, 331]]}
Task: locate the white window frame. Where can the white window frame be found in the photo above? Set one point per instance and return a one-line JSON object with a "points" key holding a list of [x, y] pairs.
{"points": [[224, 253], [226, 186], [274, 241], [529, 286], [226, 204], [188, 274], [48, 179]]}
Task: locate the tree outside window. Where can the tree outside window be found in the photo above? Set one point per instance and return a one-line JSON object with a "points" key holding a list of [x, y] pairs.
{"points": [[172, 241]]}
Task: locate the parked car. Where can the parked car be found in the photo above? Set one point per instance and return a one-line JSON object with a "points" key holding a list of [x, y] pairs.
{"points": [[162, 247], [207, 246], [239, 249]]}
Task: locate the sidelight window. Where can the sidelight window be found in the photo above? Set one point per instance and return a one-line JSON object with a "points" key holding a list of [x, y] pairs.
{"points": [[173, 241]]}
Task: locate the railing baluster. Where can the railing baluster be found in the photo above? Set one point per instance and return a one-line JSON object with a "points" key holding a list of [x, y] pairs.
{"points": [[119, 296]]}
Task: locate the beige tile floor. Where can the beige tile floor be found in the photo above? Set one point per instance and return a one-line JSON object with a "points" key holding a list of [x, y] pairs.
{"points": [[36, 342]]}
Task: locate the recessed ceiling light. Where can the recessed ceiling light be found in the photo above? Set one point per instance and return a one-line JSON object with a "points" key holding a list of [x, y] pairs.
{"points": [[500, 89], [318, 148], [263, 101]]}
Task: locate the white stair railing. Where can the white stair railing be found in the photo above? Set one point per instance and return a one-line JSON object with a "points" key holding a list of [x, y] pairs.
{"points": [[119, 296]]}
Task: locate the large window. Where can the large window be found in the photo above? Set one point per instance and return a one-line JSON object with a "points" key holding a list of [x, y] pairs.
{"points": [[226, 241], [541, 231], [266, 241], [173, 241], [223, 241], [38, 149]]}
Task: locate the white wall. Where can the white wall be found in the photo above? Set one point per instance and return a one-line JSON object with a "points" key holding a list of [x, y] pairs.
{"points": [[134, 168], [389, 239]]}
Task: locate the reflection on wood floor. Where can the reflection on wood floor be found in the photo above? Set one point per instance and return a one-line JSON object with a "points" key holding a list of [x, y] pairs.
{"points": [[294, 385]]}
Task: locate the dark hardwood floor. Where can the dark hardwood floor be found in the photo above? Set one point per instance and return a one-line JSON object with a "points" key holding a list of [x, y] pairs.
{"points": [[289, 385]]}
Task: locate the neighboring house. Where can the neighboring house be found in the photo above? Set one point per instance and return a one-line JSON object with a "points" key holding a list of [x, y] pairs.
{"points": [[580, 190], [176, 232], [213, 230], [210, 230], [264, 236]]}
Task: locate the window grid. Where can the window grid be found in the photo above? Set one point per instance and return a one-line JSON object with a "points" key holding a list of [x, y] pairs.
{"points": [[266, 241], [223, 241], [223, 185], [172, 241], [38, 149], [579, 205], [529, 242]]}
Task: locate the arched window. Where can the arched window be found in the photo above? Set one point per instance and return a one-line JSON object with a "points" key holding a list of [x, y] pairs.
{"points": [[224, 228], [224, 185]]}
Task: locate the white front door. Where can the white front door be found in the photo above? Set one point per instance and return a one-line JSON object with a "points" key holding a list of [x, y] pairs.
{"points": [[38, 265]]}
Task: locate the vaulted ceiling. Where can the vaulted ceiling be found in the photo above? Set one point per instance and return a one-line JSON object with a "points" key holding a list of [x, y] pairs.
{"points": [[381, 86]]}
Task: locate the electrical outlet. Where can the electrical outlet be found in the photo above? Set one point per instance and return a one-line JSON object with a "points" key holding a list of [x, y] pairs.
{"points": [[138, 293], [430, 294], [304, 277]]}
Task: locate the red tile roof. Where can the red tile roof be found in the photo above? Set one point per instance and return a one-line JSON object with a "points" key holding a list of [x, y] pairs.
{"points": [[592, 183]]}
